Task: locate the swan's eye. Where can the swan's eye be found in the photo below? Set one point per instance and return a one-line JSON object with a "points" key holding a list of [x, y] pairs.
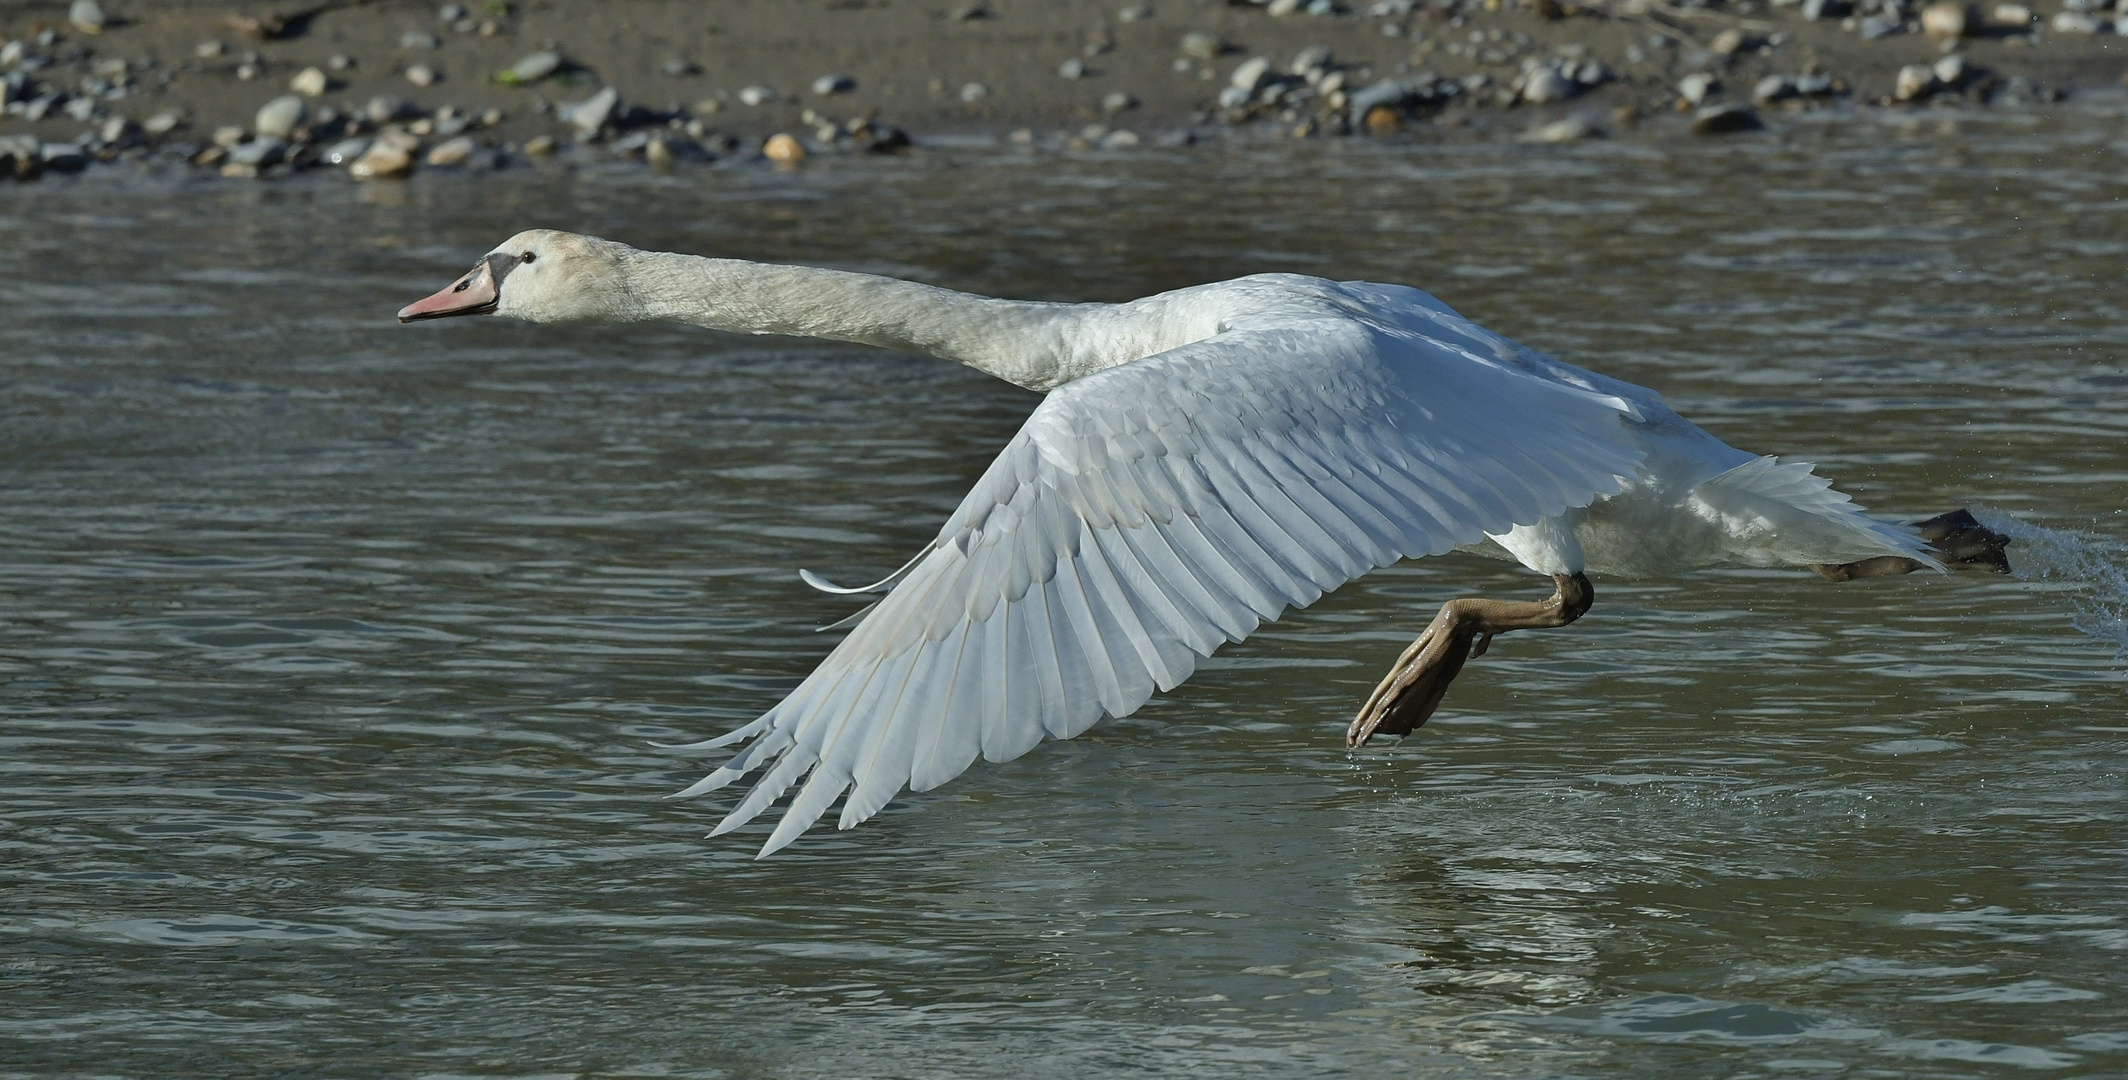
{"points": [[529, 256]]}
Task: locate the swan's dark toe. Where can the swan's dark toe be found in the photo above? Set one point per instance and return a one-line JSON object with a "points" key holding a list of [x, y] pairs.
{"points": [[1958, 540], [1963, 543]]}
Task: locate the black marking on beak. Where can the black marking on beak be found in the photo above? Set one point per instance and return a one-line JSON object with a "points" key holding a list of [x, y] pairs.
{"points": [[499, 267]]}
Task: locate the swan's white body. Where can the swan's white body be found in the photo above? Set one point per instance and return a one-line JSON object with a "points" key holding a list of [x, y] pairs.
{"points": [[1204, 459]]}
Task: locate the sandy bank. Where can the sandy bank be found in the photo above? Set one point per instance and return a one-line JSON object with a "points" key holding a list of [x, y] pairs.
{"points": [[713, 78]]}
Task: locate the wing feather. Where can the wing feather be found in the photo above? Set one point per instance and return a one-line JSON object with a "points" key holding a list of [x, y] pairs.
{"points": [[1147, 514]]}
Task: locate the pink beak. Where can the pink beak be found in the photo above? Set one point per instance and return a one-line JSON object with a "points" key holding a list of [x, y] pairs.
{"points": [[476, 293]]}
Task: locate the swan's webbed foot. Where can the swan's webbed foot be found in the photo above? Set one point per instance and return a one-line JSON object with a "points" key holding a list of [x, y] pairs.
{"points": [[1463, 629], [1959, 540]]}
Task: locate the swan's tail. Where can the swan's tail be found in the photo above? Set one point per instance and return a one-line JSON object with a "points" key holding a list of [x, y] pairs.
{"points": [[1775, 513], [2093, 569]]}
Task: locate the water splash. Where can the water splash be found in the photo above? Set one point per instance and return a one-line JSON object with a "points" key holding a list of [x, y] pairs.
{"points": [[2093, 567]]}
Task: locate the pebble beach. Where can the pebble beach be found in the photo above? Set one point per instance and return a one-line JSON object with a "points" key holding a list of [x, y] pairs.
{"points": [[382, 89]]}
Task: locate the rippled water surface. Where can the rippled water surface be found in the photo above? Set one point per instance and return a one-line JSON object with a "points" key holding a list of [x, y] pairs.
{"points": [[334, 650]]}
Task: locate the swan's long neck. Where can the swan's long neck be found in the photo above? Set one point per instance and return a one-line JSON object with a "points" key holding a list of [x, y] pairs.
{"points": [[1036, 345]]}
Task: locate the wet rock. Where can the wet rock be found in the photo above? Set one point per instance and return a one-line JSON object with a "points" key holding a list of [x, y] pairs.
{"points": [[339, 62], [1119, 140], [1914, 81], [81, 108], [1729, 42], [1944, 20], [343, 153], [1773, 88], [1588, 73], [310, 82], [422, 75], [2075, 22], [658, 153], [450, 13], [1826, 9], [830, 84], [539, 146], [118, 131], [163, 123], [591, 114], [228, 135], [419, 39], [449, 122], [531, 68], [1250, 75], [1389, 94], [1951, 71], [279, 117], [756, 95], [1813, 85], [783, 150], [1073, 68], [1312, 58], [385, 159], [880, 138], [1725, 119], [974, 92], [62, 157], [1697, 87], [1199, 45], [1880, 26], [680, 67], [1135, 13], [969, 12], [86, 16], [1571, 129], [209, 49], [1546, 85], [2017, 15], [258, 153], [20, 156], [1117, 102], [385, 108], [457, 151], [1381, 120]]}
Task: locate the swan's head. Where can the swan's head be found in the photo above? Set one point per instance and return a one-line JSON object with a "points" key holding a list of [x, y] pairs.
{"points": [[539, 275]]}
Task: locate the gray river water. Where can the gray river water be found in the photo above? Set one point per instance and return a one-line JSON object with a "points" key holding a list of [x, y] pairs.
{"points": [[334, 650]]}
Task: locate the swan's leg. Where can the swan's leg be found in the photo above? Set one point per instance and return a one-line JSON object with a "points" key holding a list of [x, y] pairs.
{"points": [[1959, 540], [1464, 628]]}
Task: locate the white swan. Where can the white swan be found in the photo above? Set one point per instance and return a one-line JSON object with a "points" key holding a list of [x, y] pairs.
{"points": [[1204, 459]]}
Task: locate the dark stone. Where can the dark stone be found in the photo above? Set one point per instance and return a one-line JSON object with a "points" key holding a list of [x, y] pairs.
{"points": [[1725, 119]]}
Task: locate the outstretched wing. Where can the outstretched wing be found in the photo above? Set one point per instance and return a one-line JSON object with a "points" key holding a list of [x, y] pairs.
{"points": [[1149, 513]]}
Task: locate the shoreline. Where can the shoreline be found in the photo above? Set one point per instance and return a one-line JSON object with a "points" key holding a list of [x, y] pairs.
{"points": [[383, 87]]}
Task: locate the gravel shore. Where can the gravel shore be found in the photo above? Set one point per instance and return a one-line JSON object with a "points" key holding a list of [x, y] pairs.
{"points": [[387, 86]]}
